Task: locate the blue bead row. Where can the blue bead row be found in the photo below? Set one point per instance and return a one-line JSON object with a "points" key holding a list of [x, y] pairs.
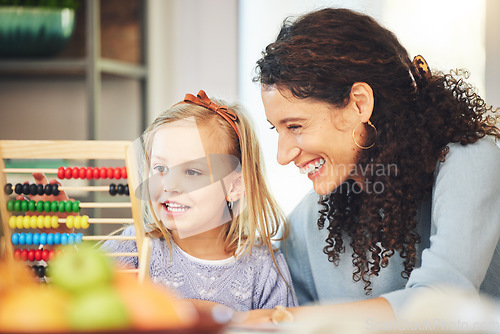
{"points": [[46, 238]]}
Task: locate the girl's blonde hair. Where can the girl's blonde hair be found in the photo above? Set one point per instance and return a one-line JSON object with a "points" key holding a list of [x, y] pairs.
{"points": [[257, 220]]}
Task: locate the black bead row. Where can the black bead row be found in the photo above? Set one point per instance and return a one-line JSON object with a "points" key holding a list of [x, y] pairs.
{"points": [[120, 189], [53, 189], [39, 271], [32, 189]]}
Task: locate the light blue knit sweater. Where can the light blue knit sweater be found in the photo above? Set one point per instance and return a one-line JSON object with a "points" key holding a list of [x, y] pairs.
{"points": [[459, 227], [245, 283]]}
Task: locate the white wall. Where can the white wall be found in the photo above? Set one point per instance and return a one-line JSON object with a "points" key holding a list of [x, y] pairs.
{"points": [[192, 46]]}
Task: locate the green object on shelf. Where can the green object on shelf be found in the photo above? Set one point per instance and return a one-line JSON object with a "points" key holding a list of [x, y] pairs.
{"points": [[35, 163], [34, 31]]}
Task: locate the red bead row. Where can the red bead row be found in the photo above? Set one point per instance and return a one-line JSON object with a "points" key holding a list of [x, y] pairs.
{"points": [[34, 254], [90, 173]]}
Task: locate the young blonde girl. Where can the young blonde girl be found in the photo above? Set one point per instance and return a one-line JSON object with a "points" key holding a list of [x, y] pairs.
{"points": [[209, 210]]}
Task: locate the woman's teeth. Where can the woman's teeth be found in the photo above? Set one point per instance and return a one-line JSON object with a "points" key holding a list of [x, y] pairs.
{"points": [[312, 167], [175, 207]]}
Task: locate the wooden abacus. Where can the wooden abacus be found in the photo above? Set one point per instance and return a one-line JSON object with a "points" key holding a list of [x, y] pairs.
{"points": [[69, 150]]}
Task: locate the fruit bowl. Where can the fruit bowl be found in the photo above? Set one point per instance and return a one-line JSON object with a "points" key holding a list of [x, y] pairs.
{"points": [[34, 32], [87, 294]]}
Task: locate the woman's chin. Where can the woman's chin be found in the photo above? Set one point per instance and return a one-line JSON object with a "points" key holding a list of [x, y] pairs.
{"points": [[325, 187]]}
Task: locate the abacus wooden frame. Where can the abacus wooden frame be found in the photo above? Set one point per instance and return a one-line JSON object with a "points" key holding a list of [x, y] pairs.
{"points": [[75, 150]]}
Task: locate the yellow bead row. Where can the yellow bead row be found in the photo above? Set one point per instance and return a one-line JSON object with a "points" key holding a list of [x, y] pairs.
{"points": [[42, 221], [77, 222]]}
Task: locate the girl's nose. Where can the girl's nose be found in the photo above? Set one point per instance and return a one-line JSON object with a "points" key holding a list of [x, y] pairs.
{"points": [[287, 150], [171, 182]]}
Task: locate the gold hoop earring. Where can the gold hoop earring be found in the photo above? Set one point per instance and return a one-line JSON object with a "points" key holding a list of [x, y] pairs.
{"points": [[354, 139]]}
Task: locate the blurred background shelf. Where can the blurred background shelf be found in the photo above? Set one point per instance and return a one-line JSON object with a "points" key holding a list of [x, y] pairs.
{"points": [[102, 67], [54, 67]]}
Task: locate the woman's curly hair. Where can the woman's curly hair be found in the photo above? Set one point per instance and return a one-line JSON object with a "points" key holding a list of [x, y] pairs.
{"points": [[320, 56]]}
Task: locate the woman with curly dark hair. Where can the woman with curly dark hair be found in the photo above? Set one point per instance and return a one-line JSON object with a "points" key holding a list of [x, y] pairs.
{"points": [[403, 162]]}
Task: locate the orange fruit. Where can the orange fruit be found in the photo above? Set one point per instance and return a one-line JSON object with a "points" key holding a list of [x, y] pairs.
{"points": [[34, 308], [151, 306]]}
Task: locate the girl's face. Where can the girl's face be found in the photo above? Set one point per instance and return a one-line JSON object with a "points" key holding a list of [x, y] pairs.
{"points": [[313, 135], [186, 181]]}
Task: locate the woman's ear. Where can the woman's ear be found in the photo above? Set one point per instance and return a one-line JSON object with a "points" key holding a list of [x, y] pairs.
{"points": [[235, 187], [362, 98]]}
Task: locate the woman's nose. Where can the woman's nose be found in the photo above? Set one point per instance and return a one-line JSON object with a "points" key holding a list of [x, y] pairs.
{"points": [[287, 150]]}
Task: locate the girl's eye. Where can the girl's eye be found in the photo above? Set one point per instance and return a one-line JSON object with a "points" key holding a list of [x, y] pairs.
{"points": [[272, 127], [192, 172], [293, 127], [159, 169]]}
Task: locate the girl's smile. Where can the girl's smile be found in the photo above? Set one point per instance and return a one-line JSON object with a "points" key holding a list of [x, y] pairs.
{"points": [[174, 209]]}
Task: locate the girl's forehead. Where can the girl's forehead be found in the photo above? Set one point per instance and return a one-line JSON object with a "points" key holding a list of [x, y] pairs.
{"points": [[188, 137]]}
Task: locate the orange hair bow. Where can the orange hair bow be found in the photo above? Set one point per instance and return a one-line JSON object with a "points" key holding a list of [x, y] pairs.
{"points": [[203, 100]]}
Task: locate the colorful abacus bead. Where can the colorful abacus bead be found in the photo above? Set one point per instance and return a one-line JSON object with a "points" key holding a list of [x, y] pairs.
{"points": [[33, 221], [14, 239], [19, 221], [34, 189], [38, 255], [26, 189], [43, 238], [78, 222], [36, 239], [54, 222], [45, 255], [70, 221], [52, 254], [61, 207], [24, 255], [40, 222], [26, 221], [68, 173], [61, 173], [8, 189], [12, 222], [112, 189], [31, 255], [97, 174], [29, 238], [32, 206], [78, 238], [46, 206], [50, 239], [53, 206]]}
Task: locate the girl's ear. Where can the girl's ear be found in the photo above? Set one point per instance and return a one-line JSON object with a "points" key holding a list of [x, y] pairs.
{"points": [[235, 187]]}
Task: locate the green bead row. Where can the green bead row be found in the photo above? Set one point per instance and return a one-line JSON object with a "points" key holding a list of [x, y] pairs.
{"points": [[43, 206]]}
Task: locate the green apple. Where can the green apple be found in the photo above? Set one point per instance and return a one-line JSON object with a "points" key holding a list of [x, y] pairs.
{"points": [[78, 269], [98, 309]]}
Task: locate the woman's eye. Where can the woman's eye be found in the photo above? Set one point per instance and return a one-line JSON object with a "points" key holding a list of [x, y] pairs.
{"points": [[192, 172], [159, 169], [293, 127], [272, 127]]}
